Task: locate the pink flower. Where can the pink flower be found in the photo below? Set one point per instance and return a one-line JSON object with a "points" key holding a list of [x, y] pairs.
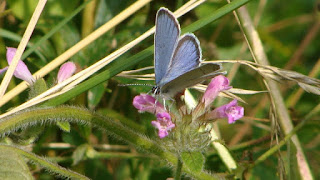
{"points": [[231, 111], [217, 84], [163, 124], [21, 71], [147, 103], [66, 71]]}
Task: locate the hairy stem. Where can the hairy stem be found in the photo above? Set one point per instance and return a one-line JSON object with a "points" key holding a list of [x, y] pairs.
{"points": [[178, 170]]}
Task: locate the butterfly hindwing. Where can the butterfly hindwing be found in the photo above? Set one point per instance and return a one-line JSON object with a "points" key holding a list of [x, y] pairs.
{"points": [[166, 38], [191, 78], [186, 57]]}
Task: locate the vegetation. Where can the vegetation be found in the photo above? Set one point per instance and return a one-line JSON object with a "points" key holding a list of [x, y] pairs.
{"points": [[86, 126]]}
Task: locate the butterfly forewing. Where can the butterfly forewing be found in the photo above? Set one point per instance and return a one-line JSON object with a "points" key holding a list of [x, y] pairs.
{"points": [[166, 38], [191, 78], [186, 57]]}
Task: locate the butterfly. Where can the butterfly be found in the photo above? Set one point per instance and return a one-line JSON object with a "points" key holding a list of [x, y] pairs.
{"points": [[177, 59]]}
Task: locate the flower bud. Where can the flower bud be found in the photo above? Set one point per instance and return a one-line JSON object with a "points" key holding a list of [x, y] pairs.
{"points": [[66, 71]]}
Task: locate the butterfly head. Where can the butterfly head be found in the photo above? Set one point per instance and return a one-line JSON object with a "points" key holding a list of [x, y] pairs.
{"points": [[156, 90]]}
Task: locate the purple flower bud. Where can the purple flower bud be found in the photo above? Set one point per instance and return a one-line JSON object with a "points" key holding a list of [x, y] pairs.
{"points": [[231, 111], [22, 71], [147, 103], [163, 124], [217, 84], [66, 71]]}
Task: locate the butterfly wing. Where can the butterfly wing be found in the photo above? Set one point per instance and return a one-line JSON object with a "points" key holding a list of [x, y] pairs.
{"points": [[165, 40], [186, 57], [191, 78]]}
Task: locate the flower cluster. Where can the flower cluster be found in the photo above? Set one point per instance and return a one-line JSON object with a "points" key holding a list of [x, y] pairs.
{"points": [[147, 103], [164, 123]]}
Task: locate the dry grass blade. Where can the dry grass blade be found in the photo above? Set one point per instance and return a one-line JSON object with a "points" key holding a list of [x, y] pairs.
{"points": [[244, 91], [131, 74], [230, 95], [309, 84], [293, 76], [135, 71], [294, 98], [226, 93]]}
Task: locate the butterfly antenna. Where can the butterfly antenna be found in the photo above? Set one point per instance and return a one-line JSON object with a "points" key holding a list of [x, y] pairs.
{"points": [[135, 85]]}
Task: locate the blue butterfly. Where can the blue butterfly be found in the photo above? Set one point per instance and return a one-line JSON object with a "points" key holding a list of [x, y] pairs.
{"points": [[177, 59]]}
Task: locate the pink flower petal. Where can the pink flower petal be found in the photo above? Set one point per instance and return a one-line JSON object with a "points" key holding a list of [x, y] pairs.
{"points": [[217, 84], [66, 71], [147, 103], [231, 111], [21, 71], [163, 124]]}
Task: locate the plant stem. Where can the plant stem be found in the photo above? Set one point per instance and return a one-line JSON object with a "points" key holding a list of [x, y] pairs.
{"points": [[178, 170]]}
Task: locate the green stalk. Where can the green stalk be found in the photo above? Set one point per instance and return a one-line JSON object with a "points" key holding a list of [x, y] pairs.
{"points": [[178, 170]]}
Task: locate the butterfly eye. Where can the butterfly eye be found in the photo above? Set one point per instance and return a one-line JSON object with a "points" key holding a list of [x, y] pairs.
{"points": [[156, 90]]}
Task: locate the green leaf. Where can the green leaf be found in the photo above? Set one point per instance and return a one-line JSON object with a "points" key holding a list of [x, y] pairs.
{"points": [[193, 160], [73, 137], [85, 131], [12, 166], [94, 95], [37, 88], [79, 153], [64, 126]]}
